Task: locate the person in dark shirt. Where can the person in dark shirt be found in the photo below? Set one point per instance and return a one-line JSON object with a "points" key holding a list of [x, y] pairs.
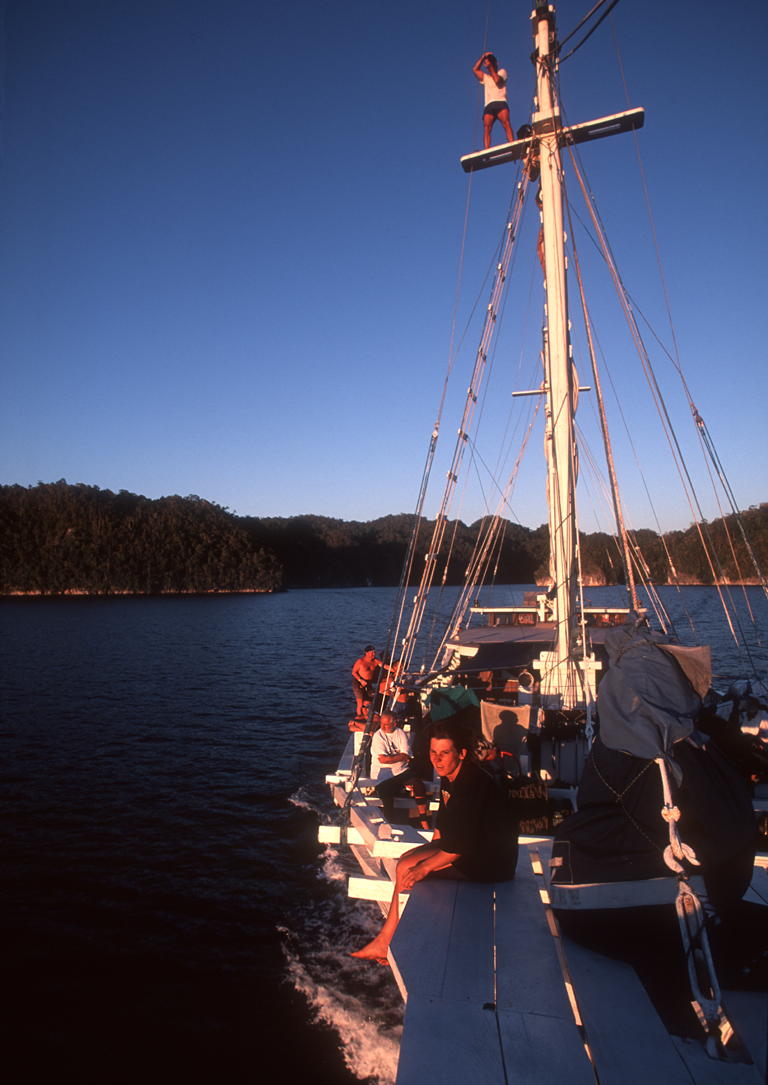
{"points": [[473, 840]]}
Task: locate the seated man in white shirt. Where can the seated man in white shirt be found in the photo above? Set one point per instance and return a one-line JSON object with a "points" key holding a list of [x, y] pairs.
{"points": [[391, 766]]}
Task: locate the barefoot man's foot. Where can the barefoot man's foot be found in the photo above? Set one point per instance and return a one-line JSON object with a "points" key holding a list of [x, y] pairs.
{"points": [[374, 951]]}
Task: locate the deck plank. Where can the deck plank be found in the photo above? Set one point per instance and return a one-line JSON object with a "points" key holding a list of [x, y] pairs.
{"points": [[706, 1071], [748, 1012], [469, 966], [542, 1050], [626, 1036], [455, 1028], [529, 978], [422, 939], [449, 1043]]}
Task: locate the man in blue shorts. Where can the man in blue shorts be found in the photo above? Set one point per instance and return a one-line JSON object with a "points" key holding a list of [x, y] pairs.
{"points": [[494, 81]]}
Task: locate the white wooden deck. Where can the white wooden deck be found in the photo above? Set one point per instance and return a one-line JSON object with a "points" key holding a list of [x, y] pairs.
{"points": [[489, 982], [488, 986], [485, 997]]}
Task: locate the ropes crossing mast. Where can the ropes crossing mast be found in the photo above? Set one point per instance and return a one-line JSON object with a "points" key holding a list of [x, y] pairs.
{"points": [[564, 677]]}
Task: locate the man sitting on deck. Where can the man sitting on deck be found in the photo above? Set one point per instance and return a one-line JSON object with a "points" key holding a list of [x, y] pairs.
{"points": [[391, 765], [474, 839]]}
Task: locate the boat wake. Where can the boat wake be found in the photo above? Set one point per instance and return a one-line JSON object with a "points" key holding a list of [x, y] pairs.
{"points": [[362, 1018], [302, 800], [361, 1004]]}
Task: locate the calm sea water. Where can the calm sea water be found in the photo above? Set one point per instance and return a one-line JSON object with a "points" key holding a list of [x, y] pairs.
{"points": [[167, 912]]}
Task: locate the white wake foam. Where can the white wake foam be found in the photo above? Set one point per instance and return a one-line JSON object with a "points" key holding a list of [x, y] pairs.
{"points": [[370, 1047], [360, 1002], [300, 798]]}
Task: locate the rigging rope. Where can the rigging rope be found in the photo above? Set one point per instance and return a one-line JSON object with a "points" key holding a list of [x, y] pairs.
{"points": [[692, 923], [589, 34], [707, 444], [407, 570], [666, 422], [615, 495], [473, 391], [483, 549]]}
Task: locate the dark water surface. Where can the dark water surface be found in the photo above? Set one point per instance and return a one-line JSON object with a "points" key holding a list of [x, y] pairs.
{"points": [[167, 914]]}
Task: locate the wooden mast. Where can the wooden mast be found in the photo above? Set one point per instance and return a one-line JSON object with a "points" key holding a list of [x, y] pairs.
{"points": [[567, 671], [559, 675]]}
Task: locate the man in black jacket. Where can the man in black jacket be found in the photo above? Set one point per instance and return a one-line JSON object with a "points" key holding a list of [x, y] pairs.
{"points": [[473, 840]]}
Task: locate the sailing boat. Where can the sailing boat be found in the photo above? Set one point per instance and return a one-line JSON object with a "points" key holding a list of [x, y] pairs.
{"points": [[484, 969]]}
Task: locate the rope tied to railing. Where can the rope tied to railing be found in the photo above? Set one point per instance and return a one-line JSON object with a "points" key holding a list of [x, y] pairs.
{"points": [[692, 922]]}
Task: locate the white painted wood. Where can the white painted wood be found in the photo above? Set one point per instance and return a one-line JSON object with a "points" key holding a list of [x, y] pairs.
{"points": [[758, 888], [469, 967], [577, 133], [347, 758], [748, 1013], [422, 939], [370, 823], [370, 867], [450, 1045], [403, 839], [443, 957], [529, 978], [706, 1071], [338, 794], [541, 1050], [362, 888], [389, 865], [634, 894], [628, 1040], [331, 834]]}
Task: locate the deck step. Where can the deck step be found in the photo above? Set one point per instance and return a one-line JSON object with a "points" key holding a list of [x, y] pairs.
{"points": [[634, 894], [380, 889]]}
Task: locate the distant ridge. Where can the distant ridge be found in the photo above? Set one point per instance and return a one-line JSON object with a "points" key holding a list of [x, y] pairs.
{"points": [[60, 538]]}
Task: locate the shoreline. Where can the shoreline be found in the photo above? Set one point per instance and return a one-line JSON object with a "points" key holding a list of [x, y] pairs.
{"points": [[69, 593]]}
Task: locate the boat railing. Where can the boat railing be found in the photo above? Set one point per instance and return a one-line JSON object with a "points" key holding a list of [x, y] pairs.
{"points": [[535, 615]]}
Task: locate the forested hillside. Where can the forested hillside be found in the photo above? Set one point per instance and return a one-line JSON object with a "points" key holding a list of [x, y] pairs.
{"points": [[56, 538]]}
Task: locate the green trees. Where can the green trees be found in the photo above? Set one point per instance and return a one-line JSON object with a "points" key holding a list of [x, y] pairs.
{"points": [[57, 538]]}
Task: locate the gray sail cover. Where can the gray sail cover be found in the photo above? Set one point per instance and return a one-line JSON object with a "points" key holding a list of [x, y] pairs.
{"points": [[651, 693]]}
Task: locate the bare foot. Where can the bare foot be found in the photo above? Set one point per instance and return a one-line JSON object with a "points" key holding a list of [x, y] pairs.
{"points": [[374, 951]]}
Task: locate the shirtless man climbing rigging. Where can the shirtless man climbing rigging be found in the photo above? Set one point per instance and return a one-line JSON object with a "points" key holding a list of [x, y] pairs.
{"points": [[494, 81], [363, 672]]}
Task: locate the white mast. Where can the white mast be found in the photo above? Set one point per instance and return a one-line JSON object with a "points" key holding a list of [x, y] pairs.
{"points": [[567, 674], [559, 674]]}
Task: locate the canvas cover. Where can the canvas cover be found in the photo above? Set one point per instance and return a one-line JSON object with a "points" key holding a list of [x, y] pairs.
{"points": [[450, 701], [645, 702], [647, 707], [506, 727]]}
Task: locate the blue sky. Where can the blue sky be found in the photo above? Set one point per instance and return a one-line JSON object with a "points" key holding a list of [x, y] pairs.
{"points": [[231, 240]]}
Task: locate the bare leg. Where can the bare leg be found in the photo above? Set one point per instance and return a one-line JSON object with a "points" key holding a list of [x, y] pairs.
{"points": [[377, 949], [504, 118], [420, 798], [487, 126]]}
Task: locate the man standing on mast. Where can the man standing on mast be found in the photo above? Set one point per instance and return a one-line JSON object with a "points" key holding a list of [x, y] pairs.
{"points": [[494, 80]]}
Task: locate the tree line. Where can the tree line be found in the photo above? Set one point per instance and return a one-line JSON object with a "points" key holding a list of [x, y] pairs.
{"points": [[58, 538]]}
